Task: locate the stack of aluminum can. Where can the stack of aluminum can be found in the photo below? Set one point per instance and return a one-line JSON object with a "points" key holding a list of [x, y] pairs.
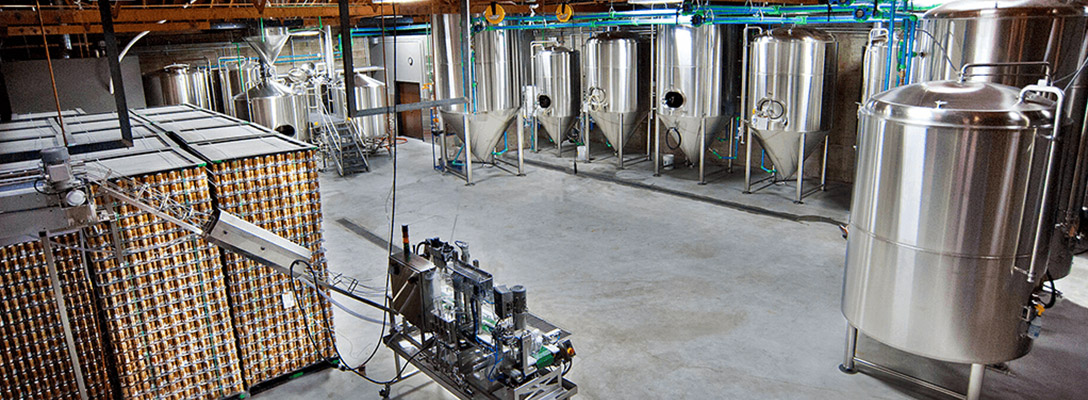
{"points": [[282, 326], [165, 302], [269, 180], [37, 363]]}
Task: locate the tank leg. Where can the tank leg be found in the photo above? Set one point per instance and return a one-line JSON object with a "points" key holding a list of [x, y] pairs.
{"points": [[468, 151], [521, 154], [536, 135], [747, 161], [445, 155], [974, 383], [702, 153], [823, 166], [657, 147], [800, 169], [619, 146], [847, 365], [585, 137], [732, 139]]}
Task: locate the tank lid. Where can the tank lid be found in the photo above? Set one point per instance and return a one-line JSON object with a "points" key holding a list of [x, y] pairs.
{"points": [[795, 33], [176, 68], [615, 35], [1009, 8], [556, 49], [267, 89], [953, 103]]}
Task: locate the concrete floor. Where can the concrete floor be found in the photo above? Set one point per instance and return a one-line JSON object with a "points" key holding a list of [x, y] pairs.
{"points": [[668, 297]]}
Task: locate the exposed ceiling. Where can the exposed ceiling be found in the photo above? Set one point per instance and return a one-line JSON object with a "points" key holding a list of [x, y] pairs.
{"points": [[76, 17]]}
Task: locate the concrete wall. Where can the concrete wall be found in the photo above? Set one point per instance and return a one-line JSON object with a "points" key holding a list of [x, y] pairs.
{"points": [[81, 83]]}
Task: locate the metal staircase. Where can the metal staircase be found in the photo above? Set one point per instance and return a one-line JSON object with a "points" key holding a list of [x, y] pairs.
{"points": [[340, 142]]}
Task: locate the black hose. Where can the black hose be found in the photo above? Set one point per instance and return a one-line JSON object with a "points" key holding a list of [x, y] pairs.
{"points": [[1053, 292], [678, 138]]}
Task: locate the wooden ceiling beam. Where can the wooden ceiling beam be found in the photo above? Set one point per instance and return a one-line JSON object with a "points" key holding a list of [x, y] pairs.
{"points": [[136, 14], [21, 21], [30, 30]]}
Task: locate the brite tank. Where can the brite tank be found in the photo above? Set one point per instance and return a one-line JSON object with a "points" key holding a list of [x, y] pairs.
{"points": [[496, 83], [559, 84], [943, 219], [696, 70], [369, 93], [617, 83], [182, 84], [234, 79], [791, 83], [874, 64], [1004, 31]]}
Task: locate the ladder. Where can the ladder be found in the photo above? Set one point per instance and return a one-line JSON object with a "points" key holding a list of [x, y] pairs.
{"points": [[340, 142]]}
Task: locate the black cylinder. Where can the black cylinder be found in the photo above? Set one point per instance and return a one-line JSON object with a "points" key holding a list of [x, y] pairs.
{"points": [[519, 306]]}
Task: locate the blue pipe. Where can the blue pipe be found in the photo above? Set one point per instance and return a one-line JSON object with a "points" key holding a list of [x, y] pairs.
{"points": [[390, 28], [891, 42], [504, 146], [762, 154]]}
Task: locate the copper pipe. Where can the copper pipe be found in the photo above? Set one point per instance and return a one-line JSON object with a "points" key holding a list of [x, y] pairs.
{"points": [[52, 79]]}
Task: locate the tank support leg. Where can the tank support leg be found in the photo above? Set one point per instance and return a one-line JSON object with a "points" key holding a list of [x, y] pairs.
{"points": [[974, 383], [747, 161], [619, 146], [657, 147], [800, 169], [535, 135], [702, 153], [444, 155], [585, 136], [823, 166], [732, 139], [521, 154], [468, 151], [847, 365]]}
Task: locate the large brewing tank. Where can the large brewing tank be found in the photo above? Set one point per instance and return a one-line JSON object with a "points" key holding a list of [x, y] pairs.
{"points": [[369, 93], [617, 70], [791, 85], [182, 84], [495, 93], [943, 219], [559, 89], [274, 106], [1018, 31], [697, 83], [875, 77], [235, 79]]}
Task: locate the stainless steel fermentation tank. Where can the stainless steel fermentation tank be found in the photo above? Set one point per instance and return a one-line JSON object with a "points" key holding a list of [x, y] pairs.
{"points": [[944, 246], [369, 93], [558, 81], [790, 84], [270, 103], [697, 87], [1011, 32], [181, 84], [617, 70], [875, 76], [495, 83], [235, 79]]}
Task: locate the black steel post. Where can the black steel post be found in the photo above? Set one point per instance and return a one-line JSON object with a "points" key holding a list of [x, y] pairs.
{"points": [[346, 55], [113, 54]]}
